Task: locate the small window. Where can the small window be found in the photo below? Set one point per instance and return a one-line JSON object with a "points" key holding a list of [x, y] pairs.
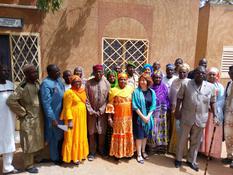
{"points": [[24, 50], [118, 51], [227, 60]]}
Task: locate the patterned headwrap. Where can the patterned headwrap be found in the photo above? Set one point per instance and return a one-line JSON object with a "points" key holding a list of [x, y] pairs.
{"points": [[170, 66], [130, 63], [148, 66], [112, 72], [216, 71], [158, 72], [97, 67], [74, 78], [122, 75], [185, 67]]}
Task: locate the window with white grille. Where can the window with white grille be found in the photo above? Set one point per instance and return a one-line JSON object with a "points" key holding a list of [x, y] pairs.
{"points": [[117, 51], [227, 60], [25, 49]]}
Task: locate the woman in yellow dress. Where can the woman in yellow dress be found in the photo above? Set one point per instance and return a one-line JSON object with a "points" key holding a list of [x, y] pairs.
{"points": [[120, 103], [74, 114]]}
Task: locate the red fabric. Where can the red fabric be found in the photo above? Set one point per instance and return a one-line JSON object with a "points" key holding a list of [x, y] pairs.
{"points": [[97, 67]]}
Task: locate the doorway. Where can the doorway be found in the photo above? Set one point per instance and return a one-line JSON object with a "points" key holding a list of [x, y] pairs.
{"points": [[5, 56]]}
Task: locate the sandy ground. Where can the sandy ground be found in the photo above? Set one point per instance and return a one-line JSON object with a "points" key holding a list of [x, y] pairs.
{"points": [[156, 165]]}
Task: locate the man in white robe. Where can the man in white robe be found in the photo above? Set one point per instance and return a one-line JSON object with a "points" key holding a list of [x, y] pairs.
{"points": [[7, 124]]}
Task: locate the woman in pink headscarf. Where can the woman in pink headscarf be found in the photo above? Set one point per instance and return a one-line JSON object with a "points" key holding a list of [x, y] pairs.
{"points": [[213, 77]]}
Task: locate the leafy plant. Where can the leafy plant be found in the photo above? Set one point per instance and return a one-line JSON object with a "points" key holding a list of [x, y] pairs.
{"points": [[49, 5]]}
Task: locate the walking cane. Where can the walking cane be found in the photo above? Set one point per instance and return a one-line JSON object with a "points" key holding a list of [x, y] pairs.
{"points": [[211, 143]]}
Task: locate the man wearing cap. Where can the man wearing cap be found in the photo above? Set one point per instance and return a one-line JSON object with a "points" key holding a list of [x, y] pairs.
{"points": [[132, 76], [97, 89], [25, 103], [169, 77], [167, 80]]}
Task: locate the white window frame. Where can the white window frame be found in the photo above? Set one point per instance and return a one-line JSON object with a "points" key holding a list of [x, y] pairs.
{"points": [[227, 60], [139, 64], [36, 57]]}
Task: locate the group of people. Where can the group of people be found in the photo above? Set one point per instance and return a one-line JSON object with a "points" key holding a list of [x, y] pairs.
{"points": [[116, 113]]}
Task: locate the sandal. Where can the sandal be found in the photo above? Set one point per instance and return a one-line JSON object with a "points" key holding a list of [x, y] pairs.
{"points": [[145, 156], [140, 160], [76, 163], [90, 157]]}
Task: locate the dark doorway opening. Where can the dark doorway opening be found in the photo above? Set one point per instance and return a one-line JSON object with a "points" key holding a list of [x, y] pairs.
{"points": [[5, 56]]}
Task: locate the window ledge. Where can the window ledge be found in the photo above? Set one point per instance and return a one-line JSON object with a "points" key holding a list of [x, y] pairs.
{"points": [[33, 7]]}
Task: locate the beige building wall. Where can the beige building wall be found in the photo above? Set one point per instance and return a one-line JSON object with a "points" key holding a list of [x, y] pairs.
{"points": [[73, 35], [202, 33], [220, 34], [174, 31]]}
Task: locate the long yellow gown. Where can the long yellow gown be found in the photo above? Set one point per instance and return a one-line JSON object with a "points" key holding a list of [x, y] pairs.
{"points": [[75, 145]]}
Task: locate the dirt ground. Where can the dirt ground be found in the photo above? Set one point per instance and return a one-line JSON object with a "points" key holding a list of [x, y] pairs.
{"points": [[156, 165]]}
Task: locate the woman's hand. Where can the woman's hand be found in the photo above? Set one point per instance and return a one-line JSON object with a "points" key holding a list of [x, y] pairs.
{"points": [[54, 123], [70, 124], [146, 119]]}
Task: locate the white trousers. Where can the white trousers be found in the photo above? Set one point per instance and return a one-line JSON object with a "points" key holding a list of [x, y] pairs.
{"points": [[7, 162]]}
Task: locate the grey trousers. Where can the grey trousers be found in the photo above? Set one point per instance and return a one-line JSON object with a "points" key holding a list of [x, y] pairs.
{"points": [[228, 133], [195, 141]]}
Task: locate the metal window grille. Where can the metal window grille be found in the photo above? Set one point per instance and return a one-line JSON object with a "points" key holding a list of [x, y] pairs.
{"points": [[25, 49], [227, 60], [117, 51]]}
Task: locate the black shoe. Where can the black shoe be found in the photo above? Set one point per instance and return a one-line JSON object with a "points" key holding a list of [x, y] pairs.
{"points": [[193, 166], [116, 159], [178, 163], [44, 161], [58, 162], [226, 161], [231, 165], [33, 170]]}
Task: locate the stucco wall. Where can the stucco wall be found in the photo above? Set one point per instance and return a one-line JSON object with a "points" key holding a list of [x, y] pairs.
{"points": [[174, 31], [220, 33], [170, 27], [72, 36], [202, 33], [32, 19], [69, 36]]}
